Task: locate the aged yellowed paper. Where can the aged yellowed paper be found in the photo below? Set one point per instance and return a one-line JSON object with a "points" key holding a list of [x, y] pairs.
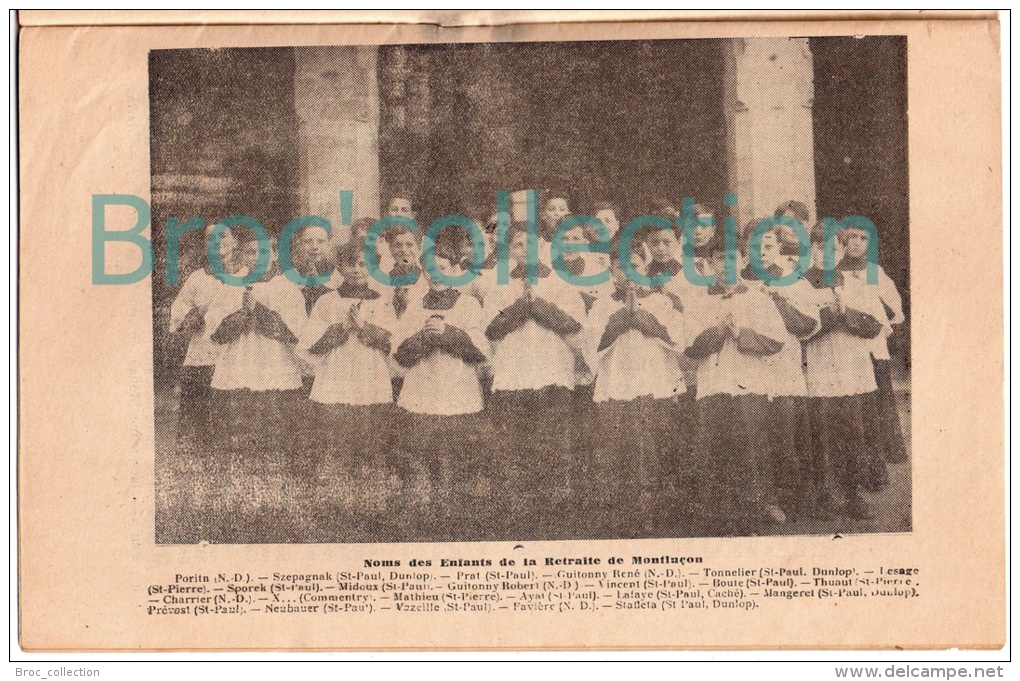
{"points": [[482, 434]]}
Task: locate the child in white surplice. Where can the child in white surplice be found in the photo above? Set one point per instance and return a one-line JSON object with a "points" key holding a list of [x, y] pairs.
{"points": [[439, 343], [258, 375], [349, 331], [636, 335]]}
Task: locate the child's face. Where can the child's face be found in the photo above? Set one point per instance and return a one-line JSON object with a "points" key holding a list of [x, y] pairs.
{"points": [[312, 246], [228, 251], [856, 243], [314, 241], [400, 206], [519, 247], [404, 248], [359, 231], [703, 234], [818, 253], [769, 248], [447, 268], [575, 236], [248, 255], [555, 210], [354, 271], [660, 244], [608, 218]]}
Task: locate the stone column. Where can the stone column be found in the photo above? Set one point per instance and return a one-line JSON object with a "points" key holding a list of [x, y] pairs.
{"points": [[770, 96], [336, 98]]}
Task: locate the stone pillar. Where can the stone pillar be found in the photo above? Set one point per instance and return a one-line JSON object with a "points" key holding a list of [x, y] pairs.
{"points": [[770, 96], [336, 98]]}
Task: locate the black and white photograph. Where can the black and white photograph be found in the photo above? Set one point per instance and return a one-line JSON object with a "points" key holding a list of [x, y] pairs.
{"points": [[343, 396]]}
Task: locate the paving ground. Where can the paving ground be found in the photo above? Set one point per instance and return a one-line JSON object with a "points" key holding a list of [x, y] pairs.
{"points": [[249, 497]]}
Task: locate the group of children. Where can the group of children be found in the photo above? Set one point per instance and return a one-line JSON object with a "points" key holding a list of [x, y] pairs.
{"points": [[738, 405]]}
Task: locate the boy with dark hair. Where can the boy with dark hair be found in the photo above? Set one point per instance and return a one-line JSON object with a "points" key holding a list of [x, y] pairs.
{"points": [[536, 334], [883, 420], [187, 320], [635, 335], [349, 332], [610, 215], [555, 209], [663, 247], [359, 232], [841, 379], [706, 240], [258, 374], [733, 332], [405, 247], [439, 343], [401, 202], [790, 431]]}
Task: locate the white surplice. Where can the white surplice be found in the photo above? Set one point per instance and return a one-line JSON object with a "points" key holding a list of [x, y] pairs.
{"points": [[353, 373], [533, 357], [635, 365], [200, 292], [442, 384], [254, 361]]}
